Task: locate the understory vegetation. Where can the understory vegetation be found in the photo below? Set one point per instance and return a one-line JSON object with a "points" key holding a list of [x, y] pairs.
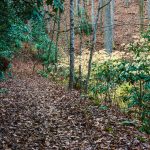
{"points": [[122, 78]]}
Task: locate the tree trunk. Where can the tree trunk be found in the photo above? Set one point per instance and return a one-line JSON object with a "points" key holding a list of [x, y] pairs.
{"points": [[71, 78], [112, 16], [101, 16], [47, 19], [148, 7], [76, 7], [51, 43], [57, 39], [67, 42], [93, 13], [141, 12], [80, 53], [108, 30], [92, 49]]}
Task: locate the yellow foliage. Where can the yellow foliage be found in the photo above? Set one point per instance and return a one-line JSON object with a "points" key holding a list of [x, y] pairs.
{"points": [[98, 57], [121, 95]]}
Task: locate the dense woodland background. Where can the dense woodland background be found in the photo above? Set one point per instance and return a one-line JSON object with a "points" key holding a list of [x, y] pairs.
{"points": [[74, 74]]}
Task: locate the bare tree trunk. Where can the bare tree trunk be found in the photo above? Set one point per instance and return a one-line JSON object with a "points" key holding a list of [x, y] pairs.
{"points": [[92, 49], [101, 16], [76, 6], [112, 3], [66, 35], [141, 12], [51, 43], [148, 7], [108, 29], [80, 61], [71, 77], [47, 19], [80, 52], [93, 13], [57, 39]]}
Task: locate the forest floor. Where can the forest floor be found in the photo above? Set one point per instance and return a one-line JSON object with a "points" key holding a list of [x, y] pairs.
{"points": [[38, 114]]}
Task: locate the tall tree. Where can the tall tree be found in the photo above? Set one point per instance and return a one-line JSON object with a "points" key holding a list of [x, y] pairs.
{"points": [[141, 12], [108, 29], [76, 6], [80, 48], [92, 48], [93, 13], [148, 7], [57, 37], [93, 44], [47, 18], [112, 3], [101, 16], [71, 77]]}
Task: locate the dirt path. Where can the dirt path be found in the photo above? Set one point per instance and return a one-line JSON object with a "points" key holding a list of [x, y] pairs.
{"points": [[36, 114]]}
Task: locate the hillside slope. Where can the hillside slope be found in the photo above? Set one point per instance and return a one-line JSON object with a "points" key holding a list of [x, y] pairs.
{"points": [[38, 114]]}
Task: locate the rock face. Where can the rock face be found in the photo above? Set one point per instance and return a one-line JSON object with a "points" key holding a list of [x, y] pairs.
{"points": [[4, 64]]}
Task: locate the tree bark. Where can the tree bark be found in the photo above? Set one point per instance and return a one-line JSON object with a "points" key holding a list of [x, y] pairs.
{"points": [[93, 13], [92, 49], [141, 12], [148, 7], [101, 16], [71, 78], [57, 39], [108, 29]]}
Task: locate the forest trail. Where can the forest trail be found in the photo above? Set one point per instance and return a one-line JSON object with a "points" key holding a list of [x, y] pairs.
{"points": [[38, 114]]}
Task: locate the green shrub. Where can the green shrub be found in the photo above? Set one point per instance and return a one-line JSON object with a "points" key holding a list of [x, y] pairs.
{"points": [[45, 48], [105, 76], [83, 25], [126, 82], [122, 95]]}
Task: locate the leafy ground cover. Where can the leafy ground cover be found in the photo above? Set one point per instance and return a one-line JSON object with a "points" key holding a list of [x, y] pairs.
{"points": [[36, 113]]}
